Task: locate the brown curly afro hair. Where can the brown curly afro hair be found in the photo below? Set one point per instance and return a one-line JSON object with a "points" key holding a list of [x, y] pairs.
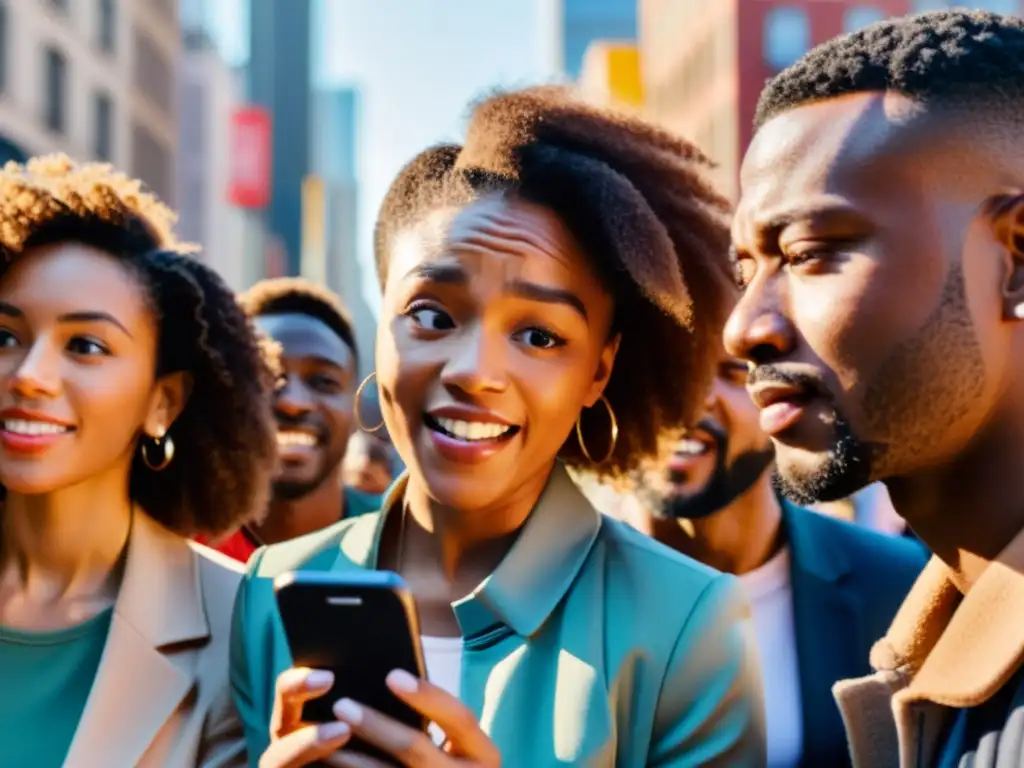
{"points": [[639, 202], [224, 437]]}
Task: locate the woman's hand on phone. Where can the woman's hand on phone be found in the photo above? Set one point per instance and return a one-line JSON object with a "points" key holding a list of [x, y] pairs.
{"points": [[467, 744], [295, 744]]}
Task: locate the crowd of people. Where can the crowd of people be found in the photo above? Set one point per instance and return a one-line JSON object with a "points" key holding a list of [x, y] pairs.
{"points": [[607, 400]]}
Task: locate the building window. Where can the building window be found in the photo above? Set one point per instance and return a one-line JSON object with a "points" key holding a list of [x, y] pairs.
{"points": [[168, 8], [108, 25], [56, 89], [787, 35], [103, 126], [152, 162], [861, 16]]}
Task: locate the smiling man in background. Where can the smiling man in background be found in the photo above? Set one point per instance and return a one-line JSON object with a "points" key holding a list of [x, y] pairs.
{"points": [[314, 411], [821, 590]]}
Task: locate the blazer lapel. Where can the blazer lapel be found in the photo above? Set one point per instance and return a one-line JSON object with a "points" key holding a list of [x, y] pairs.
{"points": [[147, 667], [827, 621]]}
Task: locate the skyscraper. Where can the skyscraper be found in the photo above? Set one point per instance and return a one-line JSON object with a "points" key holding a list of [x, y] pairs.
{"points": [[279, 81], [336, 130], [584, 21], [94, 80], [209, 93]]}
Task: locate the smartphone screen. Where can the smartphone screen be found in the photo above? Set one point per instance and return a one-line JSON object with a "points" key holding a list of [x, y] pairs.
{"points": [[359, 626]]}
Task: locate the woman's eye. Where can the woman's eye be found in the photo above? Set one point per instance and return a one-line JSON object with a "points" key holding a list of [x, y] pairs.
{"points": [[432, 319], [540, 339], [812, 253], [8, 340], [86, 347]]}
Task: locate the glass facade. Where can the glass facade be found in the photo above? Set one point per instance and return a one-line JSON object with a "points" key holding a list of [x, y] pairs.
{"points": [[787, 35]]}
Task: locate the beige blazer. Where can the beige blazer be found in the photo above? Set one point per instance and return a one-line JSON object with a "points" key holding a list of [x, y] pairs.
{"points": [[161, 698], [943, 652]]}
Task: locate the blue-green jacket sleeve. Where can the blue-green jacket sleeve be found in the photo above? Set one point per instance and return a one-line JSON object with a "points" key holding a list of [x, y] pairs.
{"points": [[711, 709], [247, 685]]}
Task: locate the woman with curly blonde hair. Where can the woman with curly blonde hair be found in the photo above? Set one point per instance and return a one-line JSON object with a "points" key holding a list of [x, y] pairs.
{"points": [[134, 413]]}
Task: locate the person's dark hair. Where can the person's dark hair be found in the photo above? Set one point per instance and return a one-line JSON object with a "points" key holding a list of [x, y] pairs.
{"points": [[637, 200], [225, 439], [953, 56], [288, 295]]}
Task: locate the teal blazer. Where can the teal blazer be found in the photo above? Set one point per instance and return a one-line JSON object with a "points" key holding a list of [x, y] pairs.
{"points": [[589, 645]]}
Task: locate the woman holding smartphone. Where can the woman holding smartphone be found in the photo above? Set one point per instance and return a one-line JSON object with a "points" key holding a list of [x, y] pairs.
{"points": [[134, 412], [553, 295]]}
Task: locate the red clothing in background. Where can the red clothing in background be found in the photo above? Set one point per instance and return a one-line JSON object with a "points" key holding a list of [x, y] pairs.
{"points": [[239, 545]]}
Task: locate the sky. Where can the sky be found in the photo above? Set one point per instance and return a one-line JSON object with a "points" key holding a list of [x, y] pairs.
{"points": [[417, 64]]}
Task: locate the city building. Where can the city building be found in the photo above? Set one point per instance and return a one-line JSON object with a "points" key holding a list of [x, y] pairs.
{"points": [[610, 75], [279, 68], [210, 93], [331, 210], [704, 64], [95, 79], [584, 21]]}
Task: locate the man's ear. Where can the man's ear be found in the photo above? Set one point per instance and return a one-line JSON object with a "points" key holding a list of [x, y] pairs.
{"points": [[604, 370], [1007, 217], [170, 394]]}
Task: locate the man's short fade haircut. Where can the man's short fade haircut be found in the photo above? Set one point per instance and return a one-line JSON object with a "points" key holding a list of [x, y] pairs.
{"points": [[295, 295], [939, 57]]}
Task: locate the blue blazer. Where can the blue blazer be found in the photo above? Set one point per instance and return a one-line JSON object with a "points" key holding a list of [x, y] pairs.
{"points": [[848, 583]]}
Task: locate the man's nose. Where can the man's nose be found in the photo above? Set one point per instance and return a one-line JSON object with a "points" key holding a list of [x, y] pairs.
{"points": [[758, 329], [293, 398]]}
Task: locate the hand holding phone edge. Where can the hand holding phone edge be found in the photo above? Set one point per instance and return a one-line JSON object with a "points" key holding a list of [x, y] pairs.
{"points": [[296, 742]]}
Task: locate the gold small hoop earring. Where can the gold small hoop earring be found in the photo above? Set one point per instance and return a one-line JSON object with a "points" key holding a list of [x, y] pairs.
{"points": [[355, 406], [615, 433], [166, 448]]}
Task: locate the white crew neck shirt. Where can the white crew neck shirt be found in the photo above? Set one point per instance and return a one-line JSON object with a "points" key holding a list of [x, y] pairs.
{"points": [[443, 657], [770, 593]]}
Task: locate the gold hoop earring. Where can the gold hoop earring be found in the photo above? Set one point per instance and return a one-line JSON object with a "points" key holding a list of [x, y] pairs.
{"points": [[615, 433], [355, 406], [162, 443]]}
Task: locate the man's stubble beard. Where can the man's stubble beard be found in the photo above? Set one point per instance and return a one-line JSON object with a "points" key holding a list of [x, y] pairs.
{"points": [[729, 480], [286, 491]]}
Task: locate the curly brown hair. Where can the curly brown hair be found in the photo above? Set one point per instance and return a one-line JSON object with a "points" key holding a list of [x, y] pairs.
{"points": [[225, 437], [639, 202], [285, 295]]}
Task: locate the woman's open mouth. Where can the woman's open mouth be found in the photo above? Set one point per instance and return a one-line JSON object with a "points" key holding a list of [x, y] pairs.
{"points": [[470, 431]]}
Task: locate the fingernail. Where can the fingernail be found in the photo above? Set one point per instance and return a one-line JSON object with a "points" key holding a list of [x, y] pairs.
{"points": [[319, 678], [332, 731], [402, 681], [349, 711]]}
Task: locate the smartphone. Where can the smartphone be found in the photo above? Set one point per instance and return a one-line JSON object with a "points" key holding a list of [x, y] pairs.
{"points": [[360, 626]]}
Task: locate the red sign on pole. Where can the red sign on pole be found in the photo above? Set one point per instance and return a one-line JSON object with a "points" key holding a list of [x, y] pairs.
{"points": [[251, 155]]}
